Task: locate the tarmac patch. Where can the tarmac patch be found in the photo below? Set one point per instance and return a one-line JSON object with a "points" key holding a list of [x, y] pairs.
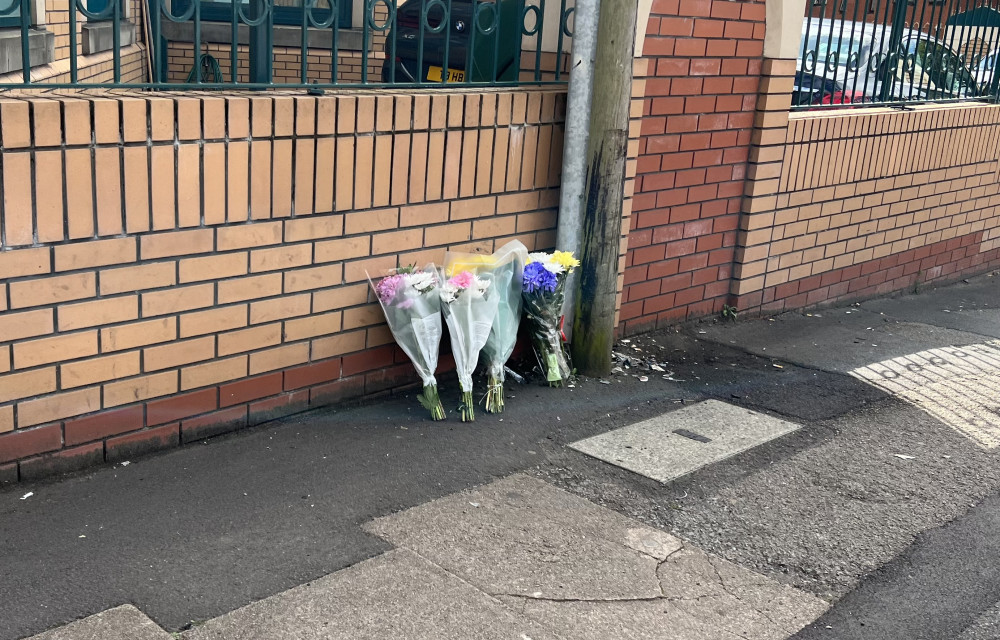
{"points": [[672, 445], [958, 385]]}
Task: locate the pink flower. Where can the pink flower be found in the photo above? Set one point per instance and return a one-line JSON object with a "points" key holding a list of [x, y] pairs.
{"points": [[387, 288], [462, 280]]}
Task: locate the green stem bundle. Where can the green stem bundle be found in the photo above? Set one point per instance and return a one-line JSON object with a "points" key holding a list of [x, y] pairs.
{"points": [[467, 410], [431, 401], [494, 395]]}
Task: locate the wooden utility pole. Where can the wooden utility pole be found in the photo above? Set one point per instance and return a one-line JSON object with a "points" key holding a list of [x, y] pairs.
{"points": [[594, 317]]}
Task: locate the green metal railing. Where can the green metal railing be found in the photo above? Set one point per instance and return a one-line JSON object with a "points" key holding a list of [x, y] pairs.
{"points": [[897, 53], [417, 43]]}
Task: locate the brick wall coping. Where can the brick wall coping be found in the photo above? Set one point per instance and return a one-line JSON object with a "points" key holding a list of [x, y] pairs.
{"points": [[874, 111], [48, 95]]}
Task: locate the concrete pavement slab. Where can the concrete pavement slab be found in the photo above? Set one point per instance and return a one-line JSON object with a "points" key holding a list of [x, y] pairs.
{"points": [[521, 536], [704, 598], [732, 598], [675, 444], [394, 596], [121, 623], [589, 573], [633, 619]]}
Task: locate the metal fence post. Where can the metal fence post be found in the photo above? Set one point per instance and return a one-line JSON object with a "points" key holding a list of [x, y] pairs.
{"points": [[261, 44], [893, 53]]}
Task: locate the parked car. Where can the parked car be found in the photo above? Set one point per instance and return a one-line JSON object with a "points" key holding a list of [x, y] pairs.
{"points": [[481, 54], [811, 89], [983, 71], [856, 56]]}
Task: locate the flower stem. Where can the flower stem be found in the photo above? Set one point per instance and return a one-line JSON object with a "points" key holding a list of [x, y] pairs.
{"points": [[494, 396], [467, 410], [431, 401]]}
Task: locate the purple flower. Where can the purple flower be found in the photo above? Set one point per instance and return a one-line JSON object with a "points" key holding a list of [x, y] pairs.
{"points": [[537, 277], [387, 288]]}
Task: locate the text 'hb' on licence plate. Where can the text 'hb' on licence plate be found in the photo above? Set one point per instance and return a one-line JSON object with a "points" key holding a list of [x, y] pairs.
{"points": [[454, 75]]}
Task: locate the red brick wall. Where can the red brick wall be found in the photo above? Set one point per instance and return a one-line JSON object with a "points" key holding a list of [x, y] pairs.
{"points": [[703, 61]]}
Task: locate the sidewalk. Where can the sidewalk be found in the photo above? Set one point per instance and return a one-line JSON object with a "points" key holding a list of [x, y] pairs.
{"points": [[202, 531]]}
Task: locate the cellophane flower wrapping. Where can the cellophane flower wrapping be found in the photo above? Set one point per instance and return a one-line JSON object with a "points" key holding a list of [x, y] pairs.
{"points": [[411, 301], [507, 266], [544, 294], [468, 303]]}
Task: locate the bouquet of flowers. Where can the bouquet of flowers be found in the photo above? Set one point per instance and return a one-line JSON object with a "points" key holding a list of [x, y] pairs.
{"points": [[412, 305], [506, 265], [544, 286], [469, 306]]}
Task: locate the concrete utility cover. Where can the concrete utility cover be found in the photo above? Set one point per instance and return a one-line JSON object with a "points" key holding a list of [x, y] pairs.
{"points": [[121, 623], [675, 444], [958, 385]]}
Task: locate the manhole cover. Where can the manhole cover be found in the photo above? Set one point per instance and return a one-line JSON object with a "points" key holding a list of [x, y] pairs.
{"points": [[676, 443]]}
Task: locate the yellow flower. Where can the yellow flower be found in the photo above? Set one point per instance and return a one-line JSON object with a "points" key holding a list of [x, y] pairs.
{"points": [[566, 259]]}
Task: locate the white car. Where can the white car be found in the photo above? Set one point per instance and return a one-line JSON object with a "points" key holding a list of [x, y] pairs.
{"points": [[856, 55], [984, 70]]}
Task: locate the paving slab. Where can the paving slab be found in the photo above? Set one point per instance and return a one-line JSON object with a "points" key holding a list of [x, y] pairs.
{"points": [[521, 536], [704, 598], [732, 598], [121, 623], [632, 619], [674, 444], [587, 572], [394, 596]]}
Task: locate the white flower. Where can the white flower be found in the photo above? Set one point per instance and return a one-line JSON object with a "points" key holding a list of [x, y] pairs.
{"points": [[547, 261], [420, 280], [449, 292], [481, 285]]}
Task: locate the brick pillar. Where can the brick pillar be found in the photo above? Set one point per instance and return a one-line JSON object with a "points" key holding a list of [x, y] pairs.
{"points": [[761, 196], [703, 61]]}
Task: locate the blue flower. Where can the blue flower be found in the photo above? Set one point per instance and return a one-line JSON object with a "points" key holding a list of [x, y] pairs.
{"points": [[536, 277]]}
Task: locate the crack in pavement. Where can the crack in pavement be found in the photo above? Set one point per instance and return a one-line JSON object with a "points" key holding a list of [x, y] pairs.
{"points": [[524, 600], [656, 571], [527, 598], [725, 587]]}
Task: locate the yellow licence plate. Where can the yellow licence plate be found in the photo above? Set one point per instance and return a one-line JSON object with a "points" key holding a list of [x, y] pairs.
{"points": [[454, 75]]}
